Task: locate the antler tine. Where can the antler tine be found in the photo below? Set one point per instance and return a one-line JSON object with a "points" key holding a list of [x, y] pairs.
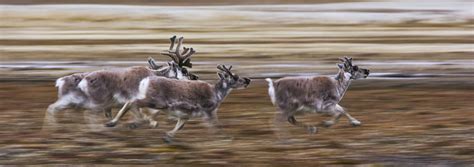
{"points": [[229, 72], [185, 50], [188, 63], [225, 69], [182, 58], [348, 60], [220, 67], [150, 60], [153, 64], [342, 60], [170, 52], [173, 40], [188, 55], [180, 42]]}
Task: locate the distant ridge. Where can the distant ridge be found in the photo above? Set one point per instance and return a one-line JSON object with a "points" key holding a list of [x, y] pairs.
{"points": [[170, 2]]}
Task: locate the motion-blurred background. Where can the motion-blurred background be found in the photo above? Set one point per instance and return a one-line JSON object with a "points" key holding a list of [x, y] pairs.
{"points": [[416, 107]]}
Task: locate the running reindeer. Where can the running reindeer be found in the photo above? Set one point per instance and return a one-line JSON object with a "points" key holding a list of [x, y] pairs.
{"points": [[102, 90], [185, 99], [317, 94]]}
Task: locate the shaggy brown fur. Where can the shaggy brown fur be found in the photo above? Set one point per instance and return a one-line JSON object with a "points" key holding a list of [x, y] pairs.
{"points": [[318, 94], [184, 99], [294, 92]]}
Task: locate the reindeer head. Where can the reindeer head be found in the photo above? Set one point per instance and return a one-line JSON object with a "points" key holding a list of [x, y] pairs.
{"points": [[354, 71], [230, 79], [177, 67]]}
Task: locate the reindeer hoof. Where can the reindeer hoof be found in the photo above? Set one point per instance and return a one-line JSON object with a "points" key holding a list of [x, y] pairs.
{"points": [[110, 124], [51, 109], [328, 124], [312, 130], [108, 115], [167, 139], [355, 123], [154, 124], [132, 126]]}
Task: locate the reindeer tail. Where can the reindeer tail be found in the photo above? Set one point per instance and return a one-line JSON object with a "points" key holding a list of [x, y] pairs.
{"points": [[142, 89], [271, 90]]}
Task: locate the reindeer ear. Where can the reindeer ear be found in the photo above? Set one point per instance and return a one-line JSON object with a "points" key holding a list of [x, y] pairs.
{"points": [[341, 66]]}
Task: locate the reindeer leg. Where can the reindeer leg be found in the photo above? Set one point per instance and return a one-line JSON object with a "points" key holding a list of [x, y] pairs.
{"points": [[108, 113], [335, 112], [119, 115], [49, 117], [170, 134], [352, 120], [59, 105], [312, 129], [151, 118], [212, 120], [93, 120], [179, 125], [139, 117], [280, 118], [335, 117]]}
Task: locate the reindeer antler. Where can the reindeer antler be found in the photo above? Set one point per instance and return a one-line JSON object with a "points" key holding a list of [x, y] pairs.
{"points": [[181, 58], [226, 70], [169, 53], [172, 39], [347, 61], [152, 64]]}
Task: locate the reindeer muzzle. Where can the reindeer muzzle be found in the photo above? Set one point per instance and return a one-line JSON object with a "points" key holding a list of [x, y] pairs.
{"points": [[247, 81], [366, 72]]}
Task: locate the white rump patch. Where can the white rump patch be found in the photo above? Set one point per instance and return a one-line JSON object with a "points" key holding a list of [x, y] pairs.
{"points": [[60, 82], [271, 90], [142, 89], [83, 85]]}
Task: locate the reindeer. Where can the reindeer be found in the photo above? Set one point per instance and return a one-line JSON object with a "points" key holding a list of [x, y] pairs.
{"points": [[185, 99], [112, 86], [317, 94]]}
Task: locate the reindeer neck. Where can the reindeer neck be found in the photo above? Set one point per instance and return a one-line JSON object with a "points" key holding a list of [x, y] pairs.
{"points": [[221, 90], [343, 83]]}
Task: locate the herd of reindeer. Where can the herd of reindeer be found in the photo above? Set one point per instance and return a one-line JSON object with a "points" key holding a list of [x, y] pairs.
{"points": [[172, 89]]}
